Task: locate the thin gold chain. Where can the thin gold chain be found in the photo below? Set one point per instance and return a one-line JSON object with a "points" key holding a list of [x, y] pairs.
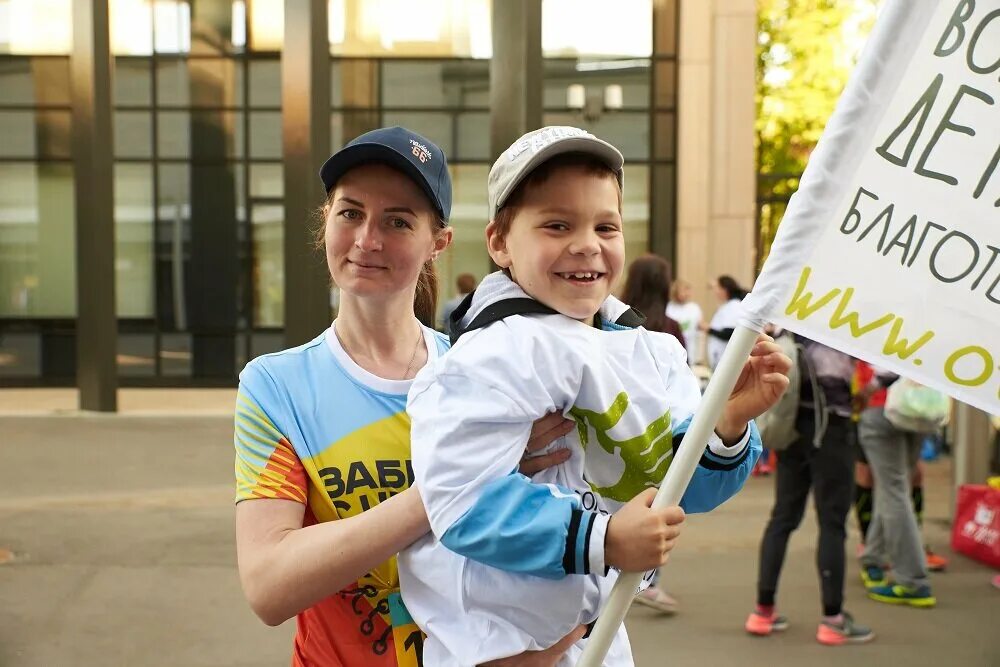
{"points": [[413, 357]]}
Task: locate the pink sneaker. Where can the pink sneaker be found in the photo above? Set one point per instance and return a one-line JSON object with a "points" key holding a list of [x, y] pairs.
{"points": [[996, 581], [761, 625]]}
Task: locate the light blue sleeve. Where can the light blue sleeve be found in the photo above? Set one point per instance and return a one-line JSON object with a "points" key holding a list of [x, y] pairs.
{"points": [[718, 478], [518, 526]]}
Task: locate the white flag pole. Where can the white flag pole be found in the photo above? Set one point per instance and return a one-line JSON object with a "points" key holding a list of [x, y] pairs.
{"points": [[674, 484]]}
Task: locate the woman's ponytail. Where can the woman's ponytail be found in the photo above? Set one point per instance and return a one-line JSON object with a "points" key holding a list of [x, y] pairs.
{"points": [[425, 298]]}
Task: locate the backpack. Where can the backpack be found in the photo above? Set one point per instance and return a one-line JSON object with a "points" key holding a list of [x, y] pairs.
{"points": [[777, 424], [910, 406]]}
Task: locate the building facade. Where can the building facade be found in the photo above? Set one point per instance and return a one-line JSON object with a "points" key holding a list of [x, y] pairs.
{"points": [[201, 156]]}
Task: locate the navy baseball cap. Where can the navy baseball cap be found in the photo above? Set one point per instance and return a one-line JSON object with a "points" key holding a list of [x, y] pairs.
{"points": [[402, 149]]}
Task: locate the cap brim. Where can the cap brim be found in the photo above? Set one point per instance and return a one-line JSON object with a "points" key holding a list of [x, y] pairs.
{"points": [[601, 150], [358, 154]]}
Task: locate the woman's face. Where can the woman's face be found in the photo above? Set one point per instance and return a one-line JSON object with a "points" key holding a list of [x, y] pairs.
{"points": [[719, 292], [380, 230]]}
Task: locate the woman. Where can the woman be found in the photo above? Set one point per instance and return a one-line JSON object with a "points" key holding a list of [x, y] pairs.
{"points": [[647, 289], [687, 313], [322, 437], [726, 318]]}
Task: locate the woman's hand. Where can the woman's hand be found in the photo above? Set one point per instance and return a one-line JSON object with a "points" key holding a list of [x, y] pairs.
{"points": [[544, 432], [761, 383], [547, 658]]}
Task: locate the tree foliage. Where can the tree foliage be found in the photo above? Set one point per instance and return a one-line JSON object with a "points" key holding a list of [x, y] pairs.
{"points": [[806, 50]]}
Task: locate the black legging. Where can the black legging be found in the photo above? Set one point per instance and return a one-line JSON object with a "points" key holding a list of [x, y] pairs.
{"points": [[829, 471]]}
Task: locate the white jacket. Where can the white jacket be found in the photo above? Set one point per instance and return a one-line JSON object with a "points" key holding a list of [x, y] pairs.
{"points": [[514, 564]]}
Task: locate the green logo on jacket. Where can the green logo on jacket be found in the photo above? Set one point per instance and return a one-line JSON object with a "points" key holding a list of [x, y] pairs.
{"points": [[646, 456]]}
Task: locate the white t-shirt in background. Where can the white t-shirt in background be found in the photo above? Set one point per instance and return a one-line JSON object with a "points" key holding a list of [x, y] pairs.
{"points": [[688, 315]]}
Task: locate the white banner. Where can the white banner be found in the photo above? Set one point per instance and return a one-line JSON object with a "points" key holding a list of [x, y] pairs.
{"points": [[889, 250]]}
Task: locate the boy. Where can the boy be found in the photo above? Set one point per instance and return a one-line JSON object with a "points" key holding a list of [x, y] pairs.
{"points": [[544, 334]]}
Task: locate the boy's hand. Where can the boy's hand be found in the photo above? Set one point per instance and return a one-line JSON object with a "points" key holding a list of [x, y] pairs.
{"points": [[639, 538], [544, 432], [761, 383]]}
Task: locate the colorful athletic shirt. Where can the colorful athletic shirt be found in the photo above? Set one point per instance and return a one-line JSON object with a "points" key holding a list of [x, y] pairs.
{"points": [[314, 427]]}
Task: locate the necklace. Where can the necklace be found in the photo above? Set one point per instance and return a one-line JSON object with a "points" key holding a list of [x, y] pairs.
{"points": [[413, 356], [416, 346]]}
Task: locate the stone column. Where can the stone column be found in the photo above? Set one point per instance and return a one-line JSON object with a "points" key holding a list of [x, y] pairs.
{"points": [[716, 164]]}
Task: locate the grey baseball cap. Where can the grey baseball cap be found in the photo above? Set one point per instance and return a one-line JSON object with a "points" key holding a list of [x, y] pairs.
{"points": [[538, 146]]}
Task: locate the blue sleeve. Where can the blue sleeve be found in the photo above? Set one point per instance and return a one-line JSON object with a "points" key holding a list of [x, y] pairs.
{"points": [[518, 526], [718, 478]]}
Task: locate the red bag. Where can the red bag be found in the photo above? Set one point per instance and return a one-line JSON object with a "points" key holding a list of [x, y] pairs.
{"points": [[976, 530]]}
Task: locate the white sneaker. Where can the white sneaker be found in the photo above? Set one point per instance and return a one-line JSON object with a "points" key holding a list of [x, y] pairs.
{"points": [[658, 599]]}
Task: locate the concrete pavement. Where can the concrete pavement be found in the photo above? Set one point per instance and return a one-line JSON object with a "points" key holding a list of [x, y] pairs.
{"points": [[122, 533]]}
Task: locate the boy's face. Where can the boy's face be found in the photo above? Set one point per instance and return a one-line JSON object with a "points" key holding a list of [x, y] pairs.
{"points": [[565, 246]]}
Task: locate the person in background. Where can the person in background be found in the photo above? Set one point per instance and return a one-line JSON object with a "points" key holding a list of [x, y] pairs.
{"points": [[647, 289], [894, 533], [864, 482], [465, 284], [688, 315], [726, 318], [820, 459]]}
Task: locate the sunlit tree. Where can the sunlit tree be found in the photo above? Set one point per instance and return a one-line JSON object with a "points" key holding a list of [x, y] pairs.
{"points": [[806, 50]]}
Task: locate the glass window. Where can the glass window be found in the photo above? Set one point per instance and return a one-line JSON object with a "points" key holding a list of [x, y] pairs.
{"points": [[265, 134], [354, 83], [597, 27], [267, 180], [472, 141], [268, 266], [40, 134], [607, 84], [20, 354], [131, 27], [133, 132], [132, 81], [211, 26], [346, 125], [219, 134], [37, 241], [626, 130], [433, 84], [387, 27], [199, 82], [175, 355], [36, 26], [30, 81], [265, 83], [174, 212], [18, 131], [635, 211], [134, 281], [136, 354]]}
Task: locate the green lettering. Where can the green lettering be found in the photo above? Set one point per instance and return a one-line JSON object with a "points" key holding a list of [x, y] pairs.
{"points": [[800, 305], [839, 319], [985, 357], [895, 344]]}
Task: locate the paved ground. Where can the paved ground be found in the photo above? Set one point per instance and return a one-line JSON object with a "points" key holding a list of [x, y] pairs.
{"points": [[122, 533]]}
